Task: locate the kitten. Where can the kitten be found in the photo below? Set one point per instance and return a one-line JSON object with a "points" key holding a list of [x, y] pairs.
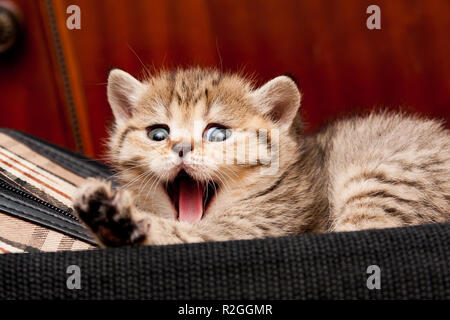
{"points": [[174, 131]]}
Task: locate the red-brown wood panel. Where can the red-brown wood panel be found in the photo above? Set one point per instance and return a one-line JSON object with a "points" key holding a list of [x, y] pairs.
{"points": [[340, 64], [29, 96]]}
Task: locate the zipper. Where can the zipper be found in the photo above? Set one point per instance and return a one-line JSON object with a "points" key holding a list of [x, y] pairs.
{"points": [[7, 186], [48, 215]]}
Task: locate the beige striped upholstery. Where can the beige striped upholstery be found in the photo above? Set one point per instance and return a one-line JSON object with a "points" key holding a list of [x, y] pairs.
{"points": [[44, 179]]}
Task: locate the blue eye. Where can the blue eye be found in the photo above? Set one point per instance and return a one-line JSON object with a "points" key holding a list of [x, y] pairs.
{"points": [[158, 133], [217, 134]]}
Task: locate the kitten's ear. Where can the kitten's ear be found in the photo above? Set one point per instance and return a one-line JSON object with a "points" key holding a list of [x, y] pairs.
{"points": [[279, 99], [123, 93]]}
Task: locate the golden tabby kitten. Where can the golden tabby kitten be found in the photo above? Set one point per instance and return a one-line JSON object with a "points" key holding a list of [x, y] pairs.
{"points": [[205, 156]]}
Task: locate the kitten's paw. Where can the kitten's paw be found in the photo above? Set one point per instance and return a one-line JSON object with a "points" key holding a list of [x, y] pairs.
{"points": [[108, 213]]}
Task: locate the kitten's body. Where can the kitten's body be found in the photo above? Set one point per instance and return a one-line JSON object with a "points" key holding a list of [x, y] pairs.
{"points": [[383, 170]]}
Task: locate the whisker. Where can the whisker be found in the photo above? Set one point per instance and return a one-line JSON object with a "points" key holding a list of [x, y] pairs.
{"points": [[125, 186], [150, 190], [122, 171], [148, 177]]}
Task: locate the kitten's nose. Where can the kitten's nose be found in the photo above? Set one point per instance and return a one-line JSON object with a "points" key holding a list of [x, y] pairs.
{"points": [[182, 148]]}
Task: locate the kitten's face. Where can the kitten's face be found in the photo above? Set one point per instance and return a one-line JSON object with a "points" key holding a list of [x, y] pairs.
{"points": [[190, 142]]}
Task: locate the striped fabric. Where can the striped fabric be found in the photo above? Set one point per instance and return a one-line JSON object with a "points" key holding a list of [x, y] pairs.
{"points": [[17, 235], [39, 176]]}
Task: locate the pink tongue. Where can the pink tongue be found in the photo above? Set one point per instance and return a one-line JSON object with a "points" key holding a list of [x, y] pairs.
{"points": [[190, 201]]}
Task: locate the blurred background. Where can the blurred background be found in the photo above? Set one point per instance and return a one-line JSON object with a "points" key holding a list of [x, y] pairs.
{"points": [[52, 79]]}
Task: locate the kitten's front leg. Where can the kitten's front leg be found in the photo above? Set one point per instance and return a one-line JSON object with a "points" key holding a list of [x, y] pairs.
{"points": [[356, 218], [109, 214], [115, 221], [218, 227]]}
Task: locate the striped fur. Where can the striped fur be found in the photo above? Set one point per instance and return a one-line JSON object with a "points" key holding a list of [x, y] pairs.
{"points": [[379, 171], [388, 170]]}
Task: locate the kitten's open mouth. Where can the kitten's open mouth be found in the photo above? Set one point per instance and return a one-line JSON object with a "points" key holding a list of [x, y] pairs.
{"points": [[190, 197]]}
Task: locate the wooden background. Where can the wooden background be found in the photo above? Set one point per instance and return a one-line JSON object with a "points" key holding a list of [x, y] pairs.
{"points": [[53, 84]]}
